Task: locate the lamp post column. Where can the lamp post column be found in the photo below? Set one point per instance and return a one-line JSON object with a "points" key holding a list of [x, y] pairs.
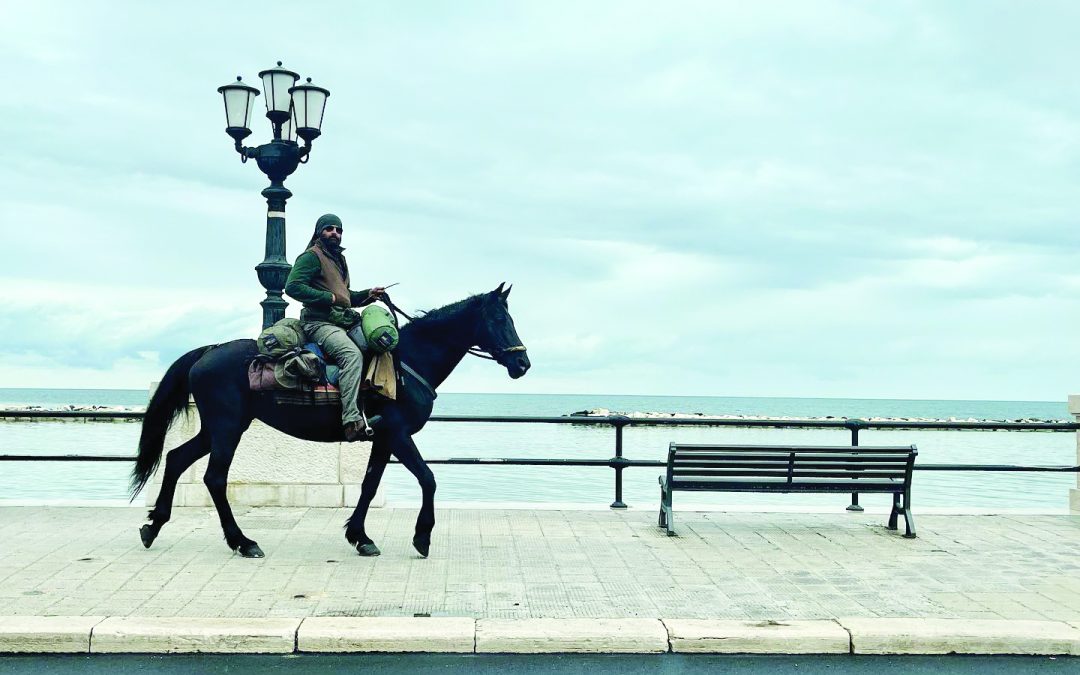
{"points": [[274, 269]]}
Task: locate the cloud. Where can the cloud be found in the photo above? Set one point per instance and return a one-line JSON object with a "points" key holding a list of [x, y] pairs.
{"points": [[818, 199]]}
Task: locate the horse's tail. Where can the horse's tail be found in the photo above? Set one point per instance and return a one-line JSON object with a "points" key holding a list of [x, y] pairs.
{"points": [[166, 404]]}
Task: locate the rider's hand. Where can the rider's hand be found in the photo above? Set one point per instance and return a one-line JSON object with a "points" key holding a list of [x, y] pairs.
{"points": [[377, 292]]}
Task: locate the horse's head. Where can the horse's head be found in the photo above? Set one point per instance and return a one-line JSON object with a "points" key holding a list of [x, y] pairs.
{"points": [[497, 335]]}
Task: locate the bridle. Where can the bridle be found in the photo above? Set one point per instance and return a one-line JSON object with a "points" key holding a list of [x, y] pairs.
{"points": [[475, 351]]}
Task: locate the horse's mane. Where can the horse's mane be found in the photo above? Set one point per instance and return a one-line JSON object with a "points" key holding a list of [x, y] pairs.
{"points": [[435, 318]]}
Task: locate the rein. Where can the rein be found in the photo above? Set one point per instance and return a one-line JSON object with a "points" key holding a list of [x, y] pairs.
{"points": [[475, 351]]}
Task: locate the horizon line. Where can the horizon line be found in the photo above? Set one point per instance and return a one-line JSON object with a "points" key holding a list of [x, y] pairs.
{"points": [[473, 393]]}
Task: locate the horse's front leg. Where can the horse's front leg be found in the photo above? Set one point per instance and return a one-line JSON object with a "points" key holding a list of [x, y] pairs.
{"points": [[354, 527], [407, 453]]}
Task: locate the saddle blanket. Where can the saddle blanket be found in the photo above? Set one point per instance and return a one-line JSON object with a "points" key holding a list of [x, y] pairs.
{"points": [[322, 394]]}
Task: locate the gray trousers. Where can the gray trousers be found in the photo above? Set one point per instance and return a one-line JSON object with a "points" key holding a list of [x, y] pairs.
{"points": [[339, 348]]}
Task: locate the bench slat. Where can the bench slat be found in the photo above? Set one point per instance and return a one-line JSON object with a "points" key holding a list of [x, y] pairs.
{"points": [[800, 461], [850, 475], [764, 486], [785, 456], [690, 447]]}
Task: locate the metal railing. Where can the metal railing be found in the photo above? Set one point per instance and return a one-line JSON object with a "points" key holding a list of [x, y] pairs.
{"points": [[618, 462]]}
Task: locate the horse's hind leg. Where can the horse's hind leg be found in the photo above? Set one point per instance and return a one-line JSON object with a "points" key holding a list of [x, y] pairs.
{"points": [[354, 527], [177, 462], [223, 445]]}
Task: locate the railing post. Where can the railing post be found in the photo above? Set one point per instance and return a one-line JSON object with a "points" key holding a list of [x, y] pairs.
{"points": [[618, 462], [854, 425], [1074, 493]]}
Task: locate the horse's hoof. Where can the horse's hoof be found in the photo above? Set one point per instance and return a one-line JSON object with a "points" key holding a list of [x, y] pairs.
{"points": [[251, 550], [147, 534], [368, 550], [422, 547]]}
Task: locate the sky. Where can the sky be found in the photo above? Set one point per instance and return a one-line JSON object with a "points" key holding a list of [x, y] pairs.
{"points": [[805, 198]]}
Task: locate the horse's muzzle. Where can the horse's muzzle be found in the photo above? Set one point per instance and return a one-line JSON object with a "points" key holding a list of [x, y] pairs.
{"points": [[517, 365]]}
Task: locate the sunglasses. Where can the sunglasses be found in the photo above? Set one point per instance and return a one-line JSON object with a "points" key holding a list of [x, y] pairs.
{"points": [[332, 227]]}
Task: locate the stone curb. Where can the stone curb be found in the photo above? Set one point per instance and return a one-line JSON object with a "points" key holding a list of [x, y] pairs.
{"points": [[387, 634], [172, 635], [46, 634], [709, 636], [564, 636], [961, 636], [97, 634]]}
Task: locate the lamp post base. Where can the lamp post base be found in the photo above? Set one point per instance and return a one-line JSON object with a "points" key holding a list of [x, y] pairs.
{"points": [[273, 309]]}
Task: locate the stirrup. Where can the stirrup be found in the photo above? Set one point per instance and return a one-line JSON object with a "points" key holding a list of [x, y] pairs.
{"points": [[368, 431]]}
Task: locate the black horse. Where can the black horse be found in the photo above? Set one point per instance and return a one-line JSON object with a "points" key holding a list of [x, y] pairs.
{"points": [[430, 347]]}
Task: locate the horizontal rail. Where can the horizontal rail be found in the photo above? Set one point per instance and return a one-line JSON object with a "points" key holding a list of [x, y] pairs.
{"points": [[66, 458], [619, 423], [550, 461]]}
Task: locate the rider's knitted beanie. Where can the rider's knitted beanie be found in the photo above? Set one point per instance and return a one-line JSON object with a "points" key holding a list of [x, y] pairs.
{"points": [[324, 221]]}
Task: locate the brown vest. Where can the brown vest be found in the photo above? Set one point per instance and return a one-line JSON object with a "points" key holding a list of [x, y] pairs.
{"points": [[335, 277]]}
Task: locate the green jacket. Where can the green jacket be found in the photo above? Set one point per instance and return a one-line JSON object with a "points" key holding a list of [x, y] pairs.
{"points": [[305, 285]]}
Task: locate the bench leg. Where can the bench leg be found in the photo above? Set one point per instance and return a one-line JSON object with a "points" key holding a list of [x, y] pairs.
{"points": [[895, 512], [909, 520], [666, 519], [661, 521]]}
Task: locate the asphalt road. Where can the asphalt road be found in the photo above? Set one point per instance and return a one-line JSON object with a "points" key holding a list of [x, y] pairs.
{"points": [[530, 664]]}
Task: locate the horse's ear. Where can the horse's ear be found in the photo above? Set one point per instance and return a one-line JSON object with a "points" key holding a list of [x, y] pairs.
{"points": [[506, 293], [499, 290]]}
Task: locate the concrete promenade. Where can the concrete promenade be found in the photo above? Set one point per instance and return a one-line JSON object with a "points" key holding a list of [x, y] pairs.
{"points": [[996, 583]]}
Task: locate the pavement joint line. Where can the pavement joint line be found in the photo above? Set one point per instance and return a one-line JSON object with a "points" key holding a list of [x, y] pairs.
{"points": [[667, 629], [851, 641]]}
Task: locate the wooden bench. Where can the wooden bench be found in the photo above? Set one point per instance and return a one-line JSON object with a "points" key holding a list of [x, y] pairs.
{"points": [[786, 468]]}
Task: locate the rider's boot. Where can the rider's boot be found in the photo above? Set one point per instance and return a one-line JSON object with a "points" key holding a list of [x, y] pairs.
{"points": [[357, 431]]}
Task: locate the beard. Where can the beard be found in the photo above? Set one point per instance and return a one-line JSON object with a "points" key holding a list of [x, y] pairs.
{"points": [[330, 242]]}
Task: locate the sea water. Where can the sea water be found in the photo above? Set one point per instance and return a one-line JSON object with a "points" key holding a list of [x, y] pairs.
{"points": [[48, 481]]}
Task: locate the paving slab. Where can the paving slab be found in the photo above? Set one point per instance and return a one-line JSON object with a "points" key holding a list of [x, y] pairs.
{"points": [[961, 636], [170, 635], [46, 634], [542, 636], [506, 564], [709, 636], [387, 634]]}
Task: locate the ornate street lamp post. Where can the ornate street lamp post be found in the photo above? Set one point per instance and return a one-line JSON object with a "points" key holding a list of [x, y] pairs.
{"points": [[293, 110]]}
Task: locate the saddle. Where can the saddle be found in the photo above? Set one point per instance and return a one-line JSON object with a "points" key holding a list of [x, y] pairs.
{"points": [[307, 378]]}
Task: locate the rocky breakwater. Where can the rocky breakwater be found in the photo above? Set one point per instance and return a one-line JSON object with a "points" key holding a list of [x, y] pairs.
{"points": [[71, 413], [811, 422]]}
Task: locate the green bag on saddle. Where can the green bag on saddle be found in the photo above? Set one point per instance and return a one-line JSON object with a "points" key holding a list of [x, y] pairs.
{"points": [[283, 337], [376, 331]]}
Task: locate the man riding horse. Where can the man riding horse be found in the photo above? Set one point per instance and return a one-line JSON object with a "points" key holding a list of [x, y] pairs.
{"points": [[215, 377], [320, 280]]}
